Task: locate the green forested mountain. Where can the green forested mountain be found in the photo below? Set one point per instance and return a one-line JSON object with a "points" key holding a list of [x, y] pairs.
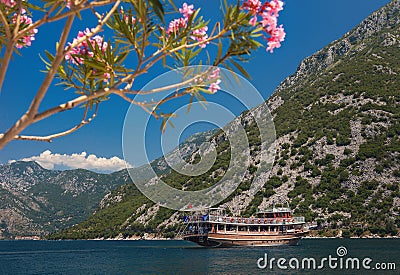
{"points": [[337, 121]]}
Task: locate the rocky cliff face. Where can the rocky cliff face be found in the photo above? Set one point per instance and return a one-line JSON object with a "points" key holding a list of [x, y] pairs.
{"points": [[185, 149], [350, 44], [337, 123]]}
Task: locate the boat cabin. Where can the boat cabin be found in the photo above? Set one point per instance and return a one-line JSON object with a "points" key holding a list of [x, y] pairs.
{"points": [[276, 213]]}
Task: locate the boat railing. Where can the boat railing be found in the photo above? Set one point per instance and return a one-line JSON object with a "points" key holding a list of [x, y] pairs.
{"points": [[196, 231], [273, 210], [240, 220], [299, 219]]}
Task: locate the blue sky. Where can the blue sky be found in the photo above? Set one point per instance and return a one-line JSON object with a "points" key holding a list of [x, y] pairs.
{"points": [[310, 25]]}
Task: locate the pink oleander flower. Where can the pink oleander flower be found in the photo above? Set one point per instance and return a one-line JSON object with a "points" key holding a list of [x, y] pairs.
{"points": [[126, 18], [272, 44], [269, 21], [26, 40], [25, 21], [76, 54], [214, 87], [212, 80], [269, 11], [106, 77], [215, 74], [279, 33], [215, 77], [8, 3], [175, 25], [277, 36], [199, 80], [252, 5], [186, 10], [129, 20], [275, 6], [253, 21], [201, 35]]}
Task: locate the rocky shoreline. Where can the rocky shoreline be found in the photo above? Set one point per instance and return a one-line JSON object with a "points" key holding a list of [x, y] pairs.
{"points": [[152, 237]]}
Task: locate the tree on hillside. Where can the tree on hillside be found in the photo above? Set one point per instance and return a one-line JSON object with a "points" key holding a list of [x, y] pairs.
{"points": [[94, 67]]}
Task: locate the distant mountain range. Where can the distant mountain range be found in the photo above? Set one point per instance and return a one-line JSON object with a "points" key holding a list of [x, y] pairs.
{"points": [[35, 201]]}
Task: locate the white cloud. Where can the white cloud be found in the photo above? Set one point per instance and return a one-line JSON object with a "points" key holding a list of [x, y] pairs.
{"points": [[49, 160]]}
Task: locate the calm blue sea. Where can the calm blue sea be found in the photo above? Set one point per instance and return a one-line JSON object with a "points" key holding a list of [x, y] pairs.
{"points": [[180, 257]]}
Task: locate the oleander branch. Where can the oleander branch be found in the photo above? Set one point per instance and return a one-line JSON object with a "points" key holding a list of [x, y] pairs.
{"points": [[120, 92], [49, 138], [6, 26], [87, 82], [77, 8], [28, 117], [31, 115], [95, 30]]}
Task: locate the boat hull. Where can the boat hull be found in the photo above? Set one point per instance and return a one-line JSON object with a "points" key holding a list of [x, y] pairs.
{"points": [[225, 240]]}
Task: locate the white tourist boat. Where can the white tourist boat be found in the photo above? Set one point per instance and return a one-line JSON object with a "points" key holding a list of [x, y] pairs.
{"points": [[270, 227]]}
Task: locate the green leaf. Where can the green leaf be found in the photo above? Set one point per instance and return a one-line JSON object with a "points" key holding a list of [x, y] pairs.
{"points": [[170, 123], [121, 58], [45, 61], [59, 12], [208, 57], [226, 5], [93, 64], [33, 7], [158, 8], [108, 52], [190, 104], [240, 68], [219, 51], [192, 18], [140, 9], [232, 73], [256, 43], [49, 56], [206, 91], [171, 2], [201, 99]]}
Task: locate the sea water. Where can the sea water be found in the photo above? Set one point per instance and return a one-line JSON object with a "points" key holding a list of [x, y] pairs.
{"points": [[181, 257]]}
